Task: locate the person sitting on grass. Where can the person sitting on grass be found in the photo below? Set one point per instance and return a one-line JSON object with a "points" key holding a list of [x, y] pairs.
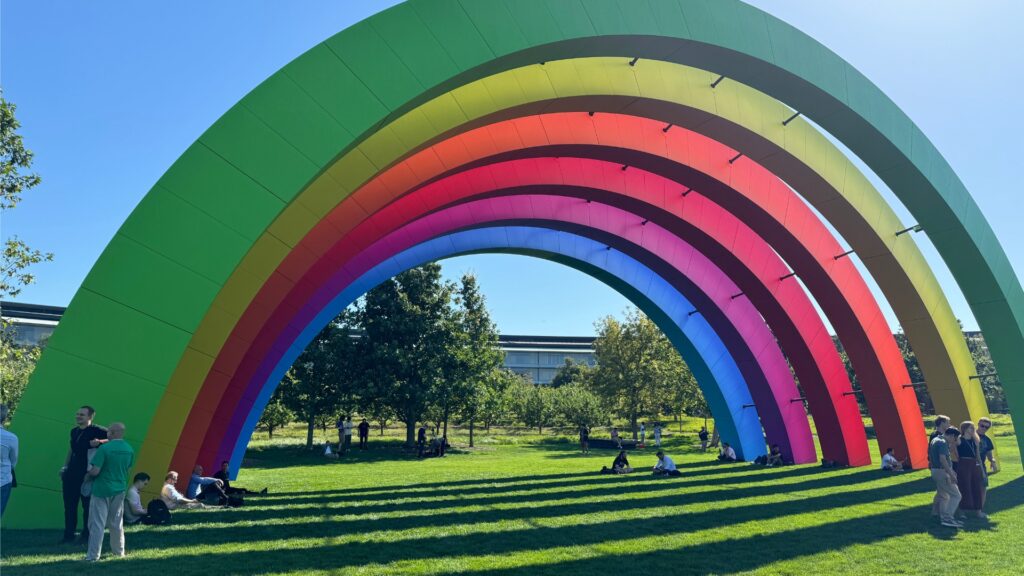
{"points": [[133, 510], [774, 456], [726, 453], [619, 466], [206, 489], [665, 466], [174, 499], [223, 476], [890, 463]]}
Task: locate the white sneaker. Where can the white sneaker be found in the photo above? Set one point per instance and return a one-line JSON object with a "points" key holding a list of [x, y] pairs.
{"points": [[952, 524]]}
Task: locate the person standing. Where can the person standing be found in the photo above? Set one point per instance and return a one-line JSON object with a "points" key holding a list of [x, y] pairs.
{"points": [[110, 466], [364, 434], [84, 436], [941, 424], [968, 470], [643, 432], [657, 434], [340, 425], [946, 492], [987, 451], [348, 433], [703, 436], [421, 441], [615, 437], [8, 460], [585, 439]]}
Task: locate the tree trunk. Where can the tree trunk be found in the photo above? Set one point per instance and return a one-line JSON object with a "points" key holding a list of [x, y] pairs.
{"points": [[445, 434], [382, 426], [540, 430], [310, 427], [410, 433], [270, 431], [632, 424], [470, 432]]}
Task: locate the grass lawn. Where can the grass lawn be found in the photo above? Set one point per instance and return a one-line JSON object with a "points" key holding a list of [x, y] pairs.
{"points": [[529, 504]]}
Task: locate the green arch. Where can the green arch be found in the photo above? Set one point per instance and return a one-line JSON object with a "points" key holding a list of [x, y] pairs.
{"points": [[138, 311]]}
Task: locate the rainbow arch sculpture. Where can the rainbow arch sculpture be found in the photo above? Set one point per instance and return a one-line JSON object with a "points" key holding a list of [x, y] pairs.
{"points": [[439, 122]]}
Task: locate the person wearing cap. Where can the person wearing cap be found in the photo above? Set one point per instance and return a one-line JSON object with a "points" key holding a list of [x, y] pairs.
{"points": [[946, 492]]}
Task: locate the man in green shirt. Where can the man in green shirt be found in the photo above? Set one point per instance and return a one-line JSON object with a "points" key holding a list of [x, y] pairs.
{"points": [[109, 469]]}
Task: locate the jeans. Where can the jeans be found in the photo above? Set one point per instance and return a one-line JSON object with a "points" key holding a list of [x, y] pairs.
{"points": [[5, 495], [106, 513], [72, 486]]}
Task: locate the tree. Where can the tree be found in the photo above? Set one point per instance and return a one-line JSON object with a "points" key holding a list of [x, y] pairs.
{"points": [[406, 326], [578, 406], [637, 366], [495, 404], [535, 405], [320, 384], [16, 366], [477, 355], [275, 415], [15, 161], [572, 373]]}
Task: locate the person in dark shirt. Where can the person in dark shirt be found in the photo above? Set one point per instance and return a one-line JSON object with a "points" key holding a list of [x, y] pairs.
{"points": [[988, 455], [774, 456], [421, 441], [84, 437], [941, 423], [222, 475], [364, 434], [585, 439], [703, 436], [619, 466]]}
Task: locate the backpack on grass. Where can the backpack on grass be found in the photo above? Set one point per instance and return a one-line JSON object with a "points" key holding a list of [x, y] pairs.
{"points": [[157, 513]]}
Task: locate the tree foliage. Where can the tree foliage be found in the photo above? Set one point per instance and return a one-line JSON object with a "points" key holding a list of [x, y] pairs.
{"points": [[637, 366], [578, 406], [572, 372], [15, 180], [275, 415]]}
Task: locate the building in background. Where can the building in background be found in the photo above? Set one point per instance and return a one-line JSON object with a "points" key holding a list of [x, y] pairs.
{"points": [[535, 356]]}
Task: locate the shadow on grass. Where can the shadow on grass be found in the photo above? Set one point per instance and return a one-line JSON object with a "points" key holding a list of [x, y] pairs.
{"points": [[593, 483], [728, 555]]}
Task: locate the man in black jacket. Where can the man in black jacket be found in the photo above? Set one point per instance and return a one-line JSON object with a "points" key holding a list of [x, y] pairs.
{"points": [[85, 436]]}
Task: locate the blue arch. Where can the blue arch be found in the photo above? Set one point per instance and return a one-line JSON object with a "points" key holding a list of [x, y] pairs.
{"points": [[714, 368]]}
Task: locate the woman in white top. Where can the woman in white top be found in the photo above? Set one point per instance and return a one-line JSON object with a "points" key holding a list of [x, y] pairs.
{"points": [[8, 460]]}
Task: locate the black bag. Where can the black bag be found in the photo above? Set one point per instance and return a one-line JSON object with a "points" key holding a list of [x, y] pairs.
{"points": [[235, 502], [157, 513]]}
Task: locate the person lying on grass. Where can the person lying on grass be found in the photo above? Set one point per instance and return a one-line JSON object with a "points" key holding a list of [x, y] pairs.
{"points": [[665, 466], [619, 466]]}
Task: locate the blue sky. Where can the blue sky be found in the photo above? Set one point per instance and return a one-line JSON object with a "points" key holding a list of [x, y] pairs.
{"points": [[110, 93]]}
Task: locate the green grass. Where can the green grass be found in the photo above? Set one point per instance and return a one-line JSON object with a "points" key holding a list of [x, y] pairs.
{"points": [[526, 504]]}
